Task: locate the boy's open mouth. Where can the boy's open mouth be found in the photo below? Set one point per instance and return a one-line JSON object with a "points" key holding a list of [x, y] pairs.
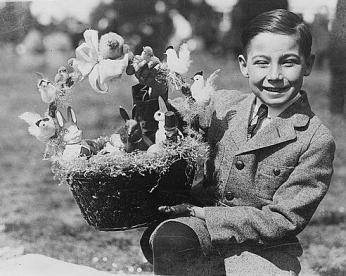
{"points": [[276, 89]]}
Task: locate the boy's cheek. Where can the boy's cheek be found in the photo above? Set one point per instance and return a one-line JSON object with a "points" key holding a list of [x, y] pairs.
{"points": [[257, 76], [294, 75]]}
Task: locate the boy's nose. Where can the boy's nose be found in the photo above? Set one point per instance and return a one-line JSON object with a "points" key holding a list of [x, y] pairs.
{"points": [[275, 73]]}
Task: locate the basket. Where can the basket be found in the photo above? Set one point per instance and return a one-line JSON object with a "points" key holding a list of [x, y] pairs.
{"points": [[131, 200]]}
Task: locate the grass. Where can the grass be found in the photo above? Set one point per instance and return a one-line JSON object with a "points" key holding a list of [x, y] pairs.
{"points": [[42, 217]]}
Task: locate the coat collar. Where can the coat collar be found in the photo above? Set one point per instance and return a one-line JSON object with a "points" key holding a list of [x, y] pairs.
{"points": [[280, 130]]}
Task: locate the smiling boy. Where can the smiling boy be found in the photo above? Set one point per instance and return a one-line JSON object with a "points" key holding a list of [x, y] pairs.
{"points": [[270, 164], [277, 67]]}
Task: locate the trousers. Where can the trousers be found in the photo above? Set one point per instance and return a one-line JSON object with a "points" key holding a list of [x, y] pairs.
{"points": [[174, 249]]}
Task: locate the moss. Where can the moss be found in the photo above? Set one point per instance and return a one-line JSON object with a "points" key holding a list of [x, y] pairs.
{"points": [[191, 149]]}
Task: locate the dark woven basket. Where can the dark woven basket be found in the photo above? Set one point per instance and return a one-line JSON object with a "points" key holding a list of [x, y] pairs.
{"points": [[131, 201]]}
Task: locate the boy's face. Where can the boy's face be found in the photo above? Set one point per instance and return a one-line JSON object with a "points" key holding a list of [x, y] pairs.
{"points": [[275, 67]]}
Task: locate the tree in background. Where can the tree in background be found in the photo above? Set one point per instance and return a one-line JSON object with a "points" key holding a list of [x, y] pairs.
{"points": [[337, 53], [140, 22], [15, 21], [204, 20], [241, 14], [320, 36]]}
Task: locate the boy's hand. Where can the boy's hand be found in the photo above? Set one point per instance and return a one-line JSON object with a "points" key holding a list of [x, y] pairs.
{"points": [[184, 209]]}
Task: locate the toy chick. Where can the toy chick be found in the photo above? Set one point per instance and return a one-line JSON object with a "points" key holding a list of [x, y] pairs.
{"points": [[111, 46]]}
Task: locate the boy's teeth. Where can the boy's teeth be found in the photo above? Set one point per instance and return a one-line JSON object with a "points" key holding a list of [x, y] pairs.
{"points": [[273, 89]]}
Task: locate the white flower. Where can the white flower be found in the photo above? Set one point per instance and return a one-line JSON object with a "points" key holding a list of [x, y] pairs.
{"points": [[100, 70]]}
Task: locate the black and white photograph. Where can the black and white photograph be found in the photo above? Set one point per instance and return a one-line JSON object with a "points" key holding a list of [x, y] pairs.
{"points": [[173, 137]]}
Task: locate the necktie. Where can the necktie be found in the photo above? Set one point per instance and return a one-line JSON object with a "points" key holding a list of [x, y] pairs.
{"points": [[262, 113]]}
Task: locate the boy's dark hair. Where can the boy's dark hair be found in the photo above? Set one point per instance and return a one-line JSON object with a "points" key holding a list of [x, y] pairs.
{"points": [[279, 21]]}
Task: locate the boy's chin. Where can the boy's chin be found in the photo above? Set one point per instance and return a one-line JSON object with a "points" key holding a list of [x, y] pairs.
{"points": [[275, 102]]}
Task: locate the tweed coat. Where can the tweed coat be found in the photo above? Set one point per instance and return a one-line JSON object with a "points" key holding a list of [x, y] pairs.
{"points": [[267, 187]]}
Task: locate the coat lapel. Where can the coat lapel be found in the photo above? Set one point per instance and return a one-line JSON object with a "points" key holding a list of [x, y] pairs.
{"points": [[239, 123], [280, 130]]}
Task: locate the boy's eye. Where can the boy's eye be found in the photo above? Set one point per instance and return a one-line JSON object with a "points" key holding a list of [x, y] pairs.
{"points": [[290, 62], [261, 63]]}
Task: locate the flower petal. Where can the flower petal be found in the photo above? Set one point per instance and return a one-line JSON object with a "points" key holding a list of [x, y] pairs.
{"points": [[87, 52], [94, 80], [110, 69], [85, 59], [91, 38]]}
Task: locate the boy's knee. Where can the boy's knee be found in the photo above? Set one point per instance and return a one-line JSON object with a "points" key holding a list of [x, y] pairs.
{"points": [[175, 247], [175, 238]]}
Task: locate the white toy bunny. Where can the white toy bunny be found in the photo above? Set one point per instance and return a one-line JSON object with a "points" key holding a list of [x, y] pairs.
{"points": [[72, 136], [159, 116], [160, 134]]}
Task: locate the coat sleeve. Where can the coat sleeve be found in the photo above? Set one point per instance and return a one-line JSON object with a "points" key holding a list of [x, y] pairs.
{"points": [[293, 205]]}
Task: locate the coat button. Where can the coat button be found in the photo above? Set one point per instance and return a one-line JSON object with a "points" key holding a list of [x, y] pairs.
{"points": [[229, 196], [276, 172], [239, 165]]}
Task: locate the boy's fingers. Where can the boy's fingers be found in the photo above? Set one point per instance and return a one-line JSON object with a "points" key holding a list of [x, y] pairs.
{"points": [[165, 209], [176, 209]]}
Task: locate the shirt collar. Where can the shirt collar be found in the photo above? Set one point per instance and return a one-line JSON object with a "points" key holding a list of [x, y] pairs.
{"points": [[273, 111]]}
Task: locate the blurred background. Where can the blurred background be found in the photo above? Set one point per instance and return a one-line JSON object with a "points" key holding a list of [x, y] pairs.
{"points": [[38, 216]]}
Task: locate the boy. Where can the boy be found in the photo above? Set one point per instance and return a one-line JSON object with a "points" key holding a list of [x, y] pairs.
{"points": [[269, 168]]}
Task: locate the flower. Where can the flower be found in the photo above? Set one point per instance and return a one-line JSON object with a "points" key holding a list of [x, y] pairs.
{"points": [[99, 69]]}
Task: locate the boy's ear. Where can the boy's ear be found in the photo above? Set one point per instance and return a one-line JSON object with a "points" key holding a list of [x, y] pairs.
{"points": [[243, 66], [309, 64]]}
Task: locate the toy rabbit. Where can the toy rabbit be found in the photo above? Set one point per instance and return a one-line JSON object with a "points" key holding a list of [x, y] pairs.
{"points": [[72, 136], [131, 133], [159, 116]]}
